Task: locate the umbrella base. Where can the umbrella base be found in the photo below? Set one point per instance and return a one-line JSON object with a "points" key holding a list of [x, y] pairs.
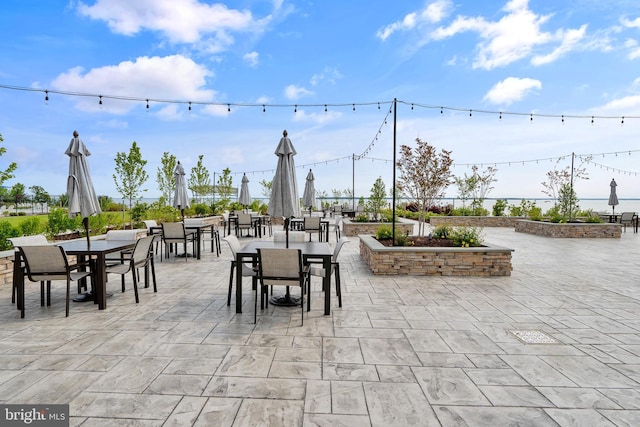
{"points": [[88, 297], [286, 300]]}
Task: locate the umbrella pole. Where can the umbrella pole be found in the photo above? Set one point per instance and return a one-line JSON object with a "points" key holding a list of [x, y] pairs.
{"points": [[85, 223]]}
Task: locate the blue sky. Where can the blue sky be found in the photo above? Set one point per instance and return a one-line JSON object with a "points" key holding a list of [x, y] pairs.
{"points": [[475, 59]]}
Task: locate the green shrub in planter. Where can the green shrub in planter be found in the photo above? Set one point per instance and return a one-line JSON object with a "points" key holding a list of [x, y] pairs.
{"points": [[384, 232]]}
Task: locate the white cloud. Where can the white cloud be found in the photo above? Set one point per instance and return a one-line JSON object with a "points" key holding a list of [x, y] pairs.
{"points": [[623, 105], [634, 49], [570, 40], [319, 117], [511, 89], [294, 92], [169, 77], [432, 13], [513, 37], [180, 21], [330, 75], [631, 24], [251, 58]]}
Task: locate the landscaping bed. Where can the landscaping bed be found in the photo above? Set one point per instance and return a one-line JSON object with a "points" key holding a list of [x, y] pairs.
{"points": [[484, 261], [569, 230]]}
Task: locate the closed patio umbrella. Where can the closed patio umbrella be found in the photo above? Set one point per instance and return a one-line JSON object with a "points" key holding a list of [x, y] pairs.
{"points": [[309, 194], [180, 197], [82, 196], [613, 197], [245, 197], [284, 201]]}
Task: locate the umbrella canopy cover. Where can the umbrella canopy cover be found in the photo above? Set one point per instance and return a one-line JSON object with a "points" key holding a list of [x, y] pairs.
{"points": [[82, 196], [180, 197], [284, 201], [613, 197], [245, 197], [309, 194]]}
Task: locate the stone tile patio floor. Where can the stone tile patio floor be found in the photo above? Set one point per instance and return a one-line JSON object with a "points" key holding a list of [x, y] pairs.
{"points": [[402, 351]]}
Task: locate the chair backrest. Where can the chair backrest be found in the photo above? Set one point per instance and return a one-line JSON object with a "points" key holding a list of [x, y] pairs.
{"points": [[244, 219], [129, 235], [234, 244], [173, 230], [150, 223], [312, 223], [294, 236], [280, 266], [336, 250], [45, 262], [627, 217], [35, 240], [141, 250]]}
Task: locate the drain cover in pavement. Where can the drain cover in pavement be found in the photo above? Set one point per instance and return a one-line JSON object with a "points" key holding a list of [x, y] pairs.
{"points": [[533, 337]]}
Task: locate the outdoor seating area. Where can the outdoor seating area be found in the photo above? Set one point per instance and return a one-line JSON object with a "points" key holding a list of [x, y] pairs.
{"points": [[555, 343]]}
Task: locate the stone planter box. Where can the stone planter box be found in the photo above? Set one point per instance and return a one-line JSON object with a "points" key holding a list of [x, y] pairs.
{"points": [[352, 228], [486, 261], [570, 230], [475, 221]]}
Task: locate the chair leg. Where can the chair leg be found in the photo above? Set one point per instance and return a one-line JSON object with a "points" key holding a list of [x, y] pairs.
{"points": [[233, 264], [135, 284], [153, 273], [338, 290], [48, 293], [42, 294], [255, 304], [68, 296]]}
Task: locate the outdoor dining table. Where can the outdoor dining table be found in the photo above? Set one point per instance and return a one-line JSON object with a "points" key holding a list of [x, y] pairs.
{"points": [[310, 251], [98, 249]]}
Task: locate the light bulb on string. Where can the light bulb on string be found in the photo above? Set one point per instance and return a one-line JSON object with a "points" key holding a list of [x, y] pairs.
{"points": [[228, 108], [264, 109], [46, 97], [100, 102], [189, 105], [295, 108], [354, 107], [378, 105], [592, 117], [411, 107], [531, 118], [563, 119], [622, 121], [147, 105], [500, 115], [441, 110], [470, 113]]}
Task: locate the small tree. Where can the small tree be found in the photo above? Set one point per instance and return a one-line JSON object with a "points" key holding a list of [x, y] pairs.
{"points": [[424, 175], [17, 194], [557, 178], [224, 188], [40, 196], [130, 174], [568, 202], [200, 181], [165, 177], [377, 198], [8, 172], [266, 187]]}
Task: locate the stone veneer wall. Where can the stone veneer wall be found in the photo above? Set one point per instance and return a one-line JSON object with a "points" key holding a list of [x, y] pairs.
{"points": [[581, 230], [485, 261], [351, 228], [475, 221]]}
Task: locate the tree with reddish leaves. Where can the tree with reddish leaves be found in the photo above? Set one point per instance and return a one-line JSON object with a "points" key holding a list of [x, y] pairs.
{"points": [[424, 175]]}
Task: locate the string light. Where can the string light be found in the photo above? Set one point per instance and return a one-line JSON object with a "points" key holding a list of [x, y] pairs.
{"points": [[500, 115], [531, 118], [189, 105], [46, 97], [377, 103], [147, 105], [295, 109], [100, 101], [264, 109]]}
